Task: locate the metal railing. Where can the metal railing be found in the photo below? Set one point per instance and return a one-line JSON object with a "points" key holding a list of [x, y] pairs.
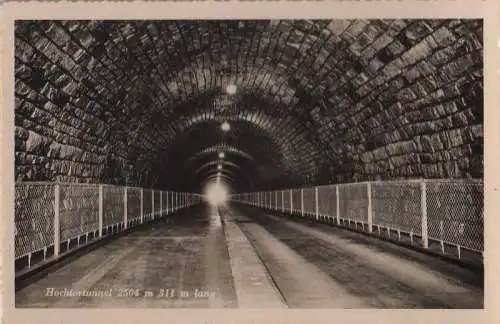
{"points": [[51, 218], [433, 214]]}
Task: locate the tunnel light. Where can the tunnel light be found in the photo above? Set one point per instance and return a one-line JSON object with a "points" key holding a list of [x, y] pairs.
{"points": [[225, 126], [221, 155], [231, 89], [219, 167]]}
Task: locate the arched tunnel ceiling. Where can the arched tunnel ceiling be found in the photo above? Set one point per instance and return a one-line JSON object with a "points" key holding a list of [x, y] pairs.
{"points": [[141, 102]]}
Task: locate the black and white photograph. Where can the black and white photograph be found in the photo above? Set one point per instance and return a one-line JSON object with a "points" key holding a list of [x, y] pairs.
{"points": [[249, 163]]}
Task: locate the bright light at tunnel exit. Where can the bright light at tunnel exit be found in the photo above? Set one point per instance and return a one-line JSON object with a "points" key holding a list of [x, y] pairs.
{"points": [[216, 193]]}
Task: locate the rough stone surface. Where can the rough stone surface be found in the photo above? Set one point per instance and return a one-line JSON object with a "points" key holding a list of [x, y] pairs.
{"points": [[317, 101]]}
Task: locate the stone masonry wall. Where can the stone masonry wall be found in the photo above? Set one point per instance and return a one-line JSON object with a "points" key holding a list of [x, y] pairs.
{"points": [[102, 101]]}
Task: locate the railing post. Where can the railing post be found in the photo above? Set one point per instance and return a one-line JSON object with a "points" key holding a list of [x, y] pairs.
{"points": [[125, 211], [161, 202], [142, 206], [423, 206], [275, 200], [316, 202], [101, 210], [337, 205], [152, 204], [57, 228], [370, 209], [291, 201], [302, 202], [282, 200], [169, 202]]}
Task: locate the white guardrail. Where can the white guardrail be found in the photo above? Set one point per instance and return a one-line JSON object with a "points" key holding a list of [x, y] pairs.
{"points": [[52, 218], [432, 214]]}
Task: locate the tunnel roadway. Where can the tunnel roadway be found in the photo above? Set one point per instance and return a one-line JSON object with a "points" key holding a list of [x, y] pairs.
{"points": [[241, 257]]}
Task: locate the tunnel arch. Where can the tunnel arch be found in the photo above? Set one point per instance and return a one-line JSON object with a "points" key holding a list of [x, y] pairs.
{"points": [[217, 162], [207, 169], [262, 128], [221, 146], [106, 101]]}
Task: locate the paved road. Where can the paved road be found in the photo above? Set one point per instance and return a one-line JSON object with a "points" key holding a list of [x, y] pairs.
{"points": [[243, 257], [379, 275], [179, 255]]}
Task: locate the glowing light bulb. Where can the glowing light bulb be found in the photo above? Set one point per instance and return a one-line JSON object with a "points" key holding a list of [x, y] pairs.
{"points": [[219, 167], [225, 126], [231, 89], [221, 155]]}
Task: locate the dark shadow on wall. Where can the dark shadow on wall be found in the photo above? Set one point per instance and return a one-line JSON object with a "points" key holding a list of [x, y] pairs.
{"points": [[113, 170]]}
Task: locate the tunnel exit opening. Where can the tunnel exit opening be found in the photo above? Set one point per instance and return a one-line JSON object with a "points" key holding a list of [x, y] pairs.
{"points": [[216, 193]]}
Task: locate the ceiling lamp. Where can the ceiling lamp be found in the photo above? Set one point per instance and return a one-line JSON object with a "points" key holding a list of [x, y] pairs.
{"points": [[225, 126], [231, 89]]}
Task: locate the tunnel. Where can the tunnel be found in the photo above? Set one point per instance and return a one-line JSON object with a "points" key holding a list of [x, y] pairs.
{"points": [[228, 152]]}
